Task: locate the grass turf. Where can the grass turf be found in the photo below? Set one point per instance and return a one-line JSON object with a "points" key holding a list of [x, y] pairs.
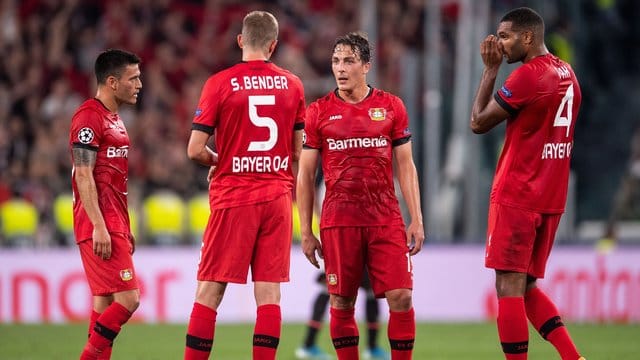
{"points": [[465, 341]]}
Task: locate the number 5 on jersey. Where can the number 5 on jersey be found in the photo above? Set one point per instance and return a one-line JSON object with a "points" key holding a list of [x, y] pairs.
{"points": [[262, 121]]}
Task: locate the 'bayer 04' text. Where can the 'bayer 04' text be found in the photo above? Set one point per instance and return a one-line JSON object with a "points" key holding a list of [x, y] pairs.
{"points": [[259, 164]]}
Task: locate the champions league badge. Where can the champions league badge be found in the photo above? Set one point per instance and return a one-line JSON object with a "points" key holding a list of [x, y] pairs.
{"points": [[85, 135], [377, 114]]}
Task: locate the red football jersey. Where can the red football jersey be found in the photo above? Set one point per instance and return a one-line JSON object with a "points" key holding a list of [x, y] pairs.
{"points": [[355, 142], [94, 127], [254, 108], [543, 97]]}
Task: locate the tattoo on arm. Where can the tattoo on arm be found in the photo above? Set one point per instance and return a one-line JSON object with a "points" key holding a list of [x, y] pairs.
{"points": [[84, 157]]}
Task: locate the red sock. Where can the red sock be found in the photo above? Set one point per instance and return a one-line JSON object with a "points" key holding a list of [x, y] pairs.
{"points": [[107, 327], [344, 333], [106, 353], [545, 317], [402, 334], [266, 334], [202, 326], [513, 328]]}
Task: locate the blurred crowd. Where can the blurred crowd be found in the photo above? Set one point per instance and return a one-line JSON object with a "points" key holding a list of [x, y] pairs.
{"points": [[48, 48]]}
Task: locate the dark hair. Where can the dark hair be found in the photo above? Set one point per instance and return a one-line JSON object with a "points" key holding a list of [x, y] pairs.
{"points": [[359, 44], [525, 18], [112, 63]]}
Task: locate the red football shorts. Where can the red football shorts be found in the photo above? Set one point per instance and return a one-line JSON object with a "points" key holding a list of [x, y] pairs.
{"points": [[257, 235], [519, 240], [112, 275], [382, 249]]}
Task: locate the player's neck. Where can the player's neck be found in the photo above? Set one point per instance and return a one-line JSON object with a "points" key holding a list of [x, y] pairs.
{"points": [[355, 96], [534, 53], [108, 101], [254, 56]]}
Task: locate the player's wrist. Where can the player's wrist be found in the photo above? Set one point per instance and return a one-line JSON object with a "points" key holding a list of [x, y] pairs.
{"points": [[491, 71]]}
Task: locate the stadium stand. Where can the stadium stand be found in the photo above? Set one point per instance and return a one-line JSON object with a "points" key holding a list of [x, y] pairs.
{"points": [[164, 218], [48, 49], [198, 213], [18, 223], [63, 217]]}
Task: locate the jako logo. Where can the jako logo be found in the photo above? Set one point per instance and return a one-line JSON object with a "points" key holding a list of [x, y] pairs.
{"points": [[114, 152], [335, 117], [355, 143]]}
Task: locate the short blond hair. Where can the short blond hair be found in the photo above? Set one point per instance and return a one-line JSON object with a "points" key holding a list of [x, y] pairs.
{"points": [[259, 29]]}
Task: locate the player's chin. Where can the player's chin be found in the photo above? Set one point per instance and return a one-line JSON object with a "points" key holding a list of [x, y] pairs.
{"points": [[343, 86]]}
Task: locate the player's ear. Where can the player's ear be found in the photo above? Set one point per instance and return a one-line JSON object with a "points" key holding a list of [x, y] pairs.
{"points": [[112, 82], [239, 40], [366, 67], [528, 36], [272, 46]]}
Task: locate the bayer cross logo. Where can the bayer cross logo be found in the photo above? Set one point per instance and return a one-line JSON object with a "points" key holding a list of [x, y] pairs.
{"points": [[85, 135]]}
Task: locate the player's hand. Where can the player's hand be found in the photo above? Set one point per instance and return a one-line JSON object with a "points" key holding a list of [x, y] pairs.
{"points": [[415, 237], [310, 246], [210, 174], [101, 242], [132, 240], [491, 51]]}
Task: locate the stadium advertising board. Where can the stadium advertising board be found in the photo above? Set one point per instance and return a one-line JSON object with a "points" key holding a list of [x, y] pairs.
{"points": [[451, 284]]}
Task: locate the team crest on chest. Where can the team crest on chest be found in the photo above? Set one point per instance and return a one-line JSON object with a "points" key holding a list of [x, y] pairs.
{"points": [[378, 114]]}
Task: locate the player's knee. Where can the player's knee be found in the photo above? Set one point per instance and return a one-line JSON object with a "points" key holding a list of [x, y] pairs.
{"points": [[129, 299], [399, 299], [342, 302]]}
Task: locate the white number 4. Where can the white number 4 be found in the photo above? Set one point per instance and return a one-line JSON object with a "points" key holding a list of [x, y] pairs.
{"points": [[263, 121], [567, 101]]}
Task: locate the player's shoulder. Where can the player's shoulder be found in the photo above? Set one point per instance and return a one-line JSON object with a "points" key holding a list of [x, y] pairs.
{"points": [[385, 98], [90, 107], [286, 73], [323, 101], [382, 94], [223, 74], [283, 71]]}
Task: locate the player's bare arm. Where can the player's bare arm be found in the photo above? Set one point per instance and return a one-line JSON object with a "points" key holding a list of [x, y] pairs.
{"points": [[297, 150], [408, 178], [305, 197], [297, 145], [486, 112], [84, 160], [198, 151]]}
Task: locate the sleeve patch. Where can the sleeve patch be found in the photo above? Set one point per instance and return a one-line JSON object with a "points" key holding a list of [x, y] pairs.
{"points": [[86, 135]]}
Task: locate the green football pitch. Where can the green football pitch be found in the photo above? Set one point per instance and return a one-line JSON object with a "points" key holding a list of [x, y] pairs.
{"points": [[233, 342]]}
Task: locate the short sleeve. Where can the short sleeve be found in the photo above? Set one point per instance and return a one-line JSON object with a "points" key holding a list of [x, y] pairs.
{"points": [[86, 129], [400, 133], [311, 136], [301, 112], [206, 115], [517, 91]]}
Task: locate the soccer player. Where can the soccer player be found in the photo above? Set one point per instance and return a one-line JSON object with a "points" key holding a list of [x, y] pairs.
{"points": [[256, 111], [357, 132], [540, 102], [99, 147]]}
